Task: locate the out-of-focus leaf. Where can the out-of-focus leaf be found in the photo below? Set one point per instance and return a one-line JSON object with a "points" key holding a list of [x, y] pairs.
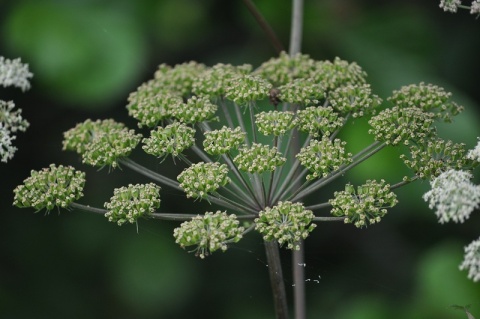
{"points": [[83, 54]]}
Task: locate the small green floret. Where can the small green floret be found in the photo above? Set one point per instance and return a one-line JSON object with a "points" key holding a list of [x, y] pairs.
{"points": [[285, 68], [323, 157], [224, 140], [56, 186], [356, 100], [213, 81], [367, 205], [195, 110], [258, 158], [338, 73], [130, 203], [302, 91], [427, 97], [246, 89], [274, 122], [172, 139], [201, 179], [78, 138], [150, 111], [287, 223], [209, 233], [318, 121], [433, 157], [402, 125]]}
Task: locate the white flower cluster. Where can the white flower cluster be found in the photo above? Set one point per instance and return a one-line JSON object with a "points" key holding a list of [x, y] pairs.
{"points": [[12, 73], [453, 5], [453, 196], [471, 260], [474, 154]]}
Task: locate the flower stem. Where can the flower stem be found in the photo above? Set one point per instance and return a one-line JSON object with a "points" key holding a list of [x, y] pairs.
{"points": [[276, 279], [150, 174], [264, 25]]}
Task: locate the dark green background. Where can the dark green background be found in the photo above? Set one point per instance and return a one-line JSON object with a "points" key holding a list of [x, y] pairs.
{"points": [[88, 55]]}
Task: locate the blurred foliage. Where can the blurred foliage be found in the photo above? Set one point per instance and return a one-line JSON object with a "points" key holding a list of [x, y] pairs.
{"points": [[88, 55]]}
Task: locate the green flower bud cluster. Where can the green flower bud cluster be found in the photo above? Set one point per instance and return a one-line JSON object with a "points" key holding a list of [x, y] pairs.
{"points": [[427, 97], [224, 140], [213, 81], [197, 109], [287, 223], [302, 91], [355, 99], [338, 73], [246, 89], [210, 232], [101, 143], [201, 179], [401, 125], [285, 69], [172, 139], [322, 157], [274, 122], [318, 121], [130, 203], [150, 111], [258, 158], [366, 205], [56, 186], [180, 78], [435, 156]]}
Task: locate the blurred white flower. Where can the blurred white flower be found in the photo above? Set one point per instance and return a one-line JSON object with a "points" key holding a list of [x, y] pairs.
{"points": [[471, 260], [453, 196], [474, 154], [14, 72], [450, 5], [475, 7]]}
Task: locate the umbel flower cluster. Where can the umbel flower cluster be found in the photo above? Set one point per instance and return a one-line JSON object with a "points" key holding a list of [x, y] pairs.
{"points": [[12, 73], [257, 143]]}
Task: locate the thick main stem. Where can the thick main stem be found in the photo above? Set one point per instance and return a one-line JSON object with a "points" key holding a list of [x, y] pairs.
{"points": [[298, 255], [276, 280]]}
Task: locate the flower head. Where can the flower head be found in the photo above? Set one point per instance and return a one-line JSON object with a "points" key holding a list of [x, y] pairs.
{"points": [[474, 154], [178, 79], [258, 158], [401, 125], [450, 5], [471, 260], [245, 89], [338, 73], [10, 122], [200, 179], [14, 73], [152, 109], [172, 139], [453, 196], [367, 204], [435, 156], [213, 81], [355, 99], [287, 223], [428, 98], [323, 157], [101, 143], [302, 91], [285, 69], [209, 233], [130, 203], [56, 186], [196, 109], [475, 7], [274, 122], [224, 140], [318, 121]]}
